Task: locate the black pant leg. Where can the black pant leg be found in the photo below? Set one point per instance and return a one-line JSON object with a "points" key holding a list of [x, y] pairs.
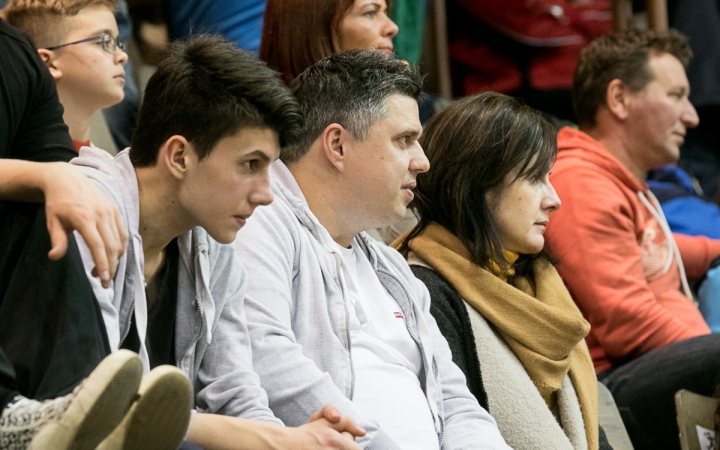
{"points": [[7, 380], [51, 328], [644, 389]]}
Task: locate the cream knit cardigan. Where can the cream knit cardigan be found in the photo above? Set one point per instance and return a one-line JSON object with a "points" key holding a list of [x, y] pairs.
{"points": [[524, 419]]}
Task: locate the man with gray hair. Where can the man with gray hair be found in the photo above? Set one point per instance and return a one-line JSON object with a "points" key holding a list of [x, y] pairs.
{"points": [[334, 317]]}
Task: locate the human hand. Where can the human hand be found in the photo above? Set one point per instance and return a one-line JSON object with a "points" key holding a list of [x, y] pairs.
{"points": [[73, 202], [345, 425], [216, 432], [320, 434]]}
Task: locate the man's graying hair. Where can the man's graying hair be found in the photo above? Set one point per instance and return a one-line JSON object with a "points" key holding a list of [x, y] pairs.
{"points": [[349, 89]]}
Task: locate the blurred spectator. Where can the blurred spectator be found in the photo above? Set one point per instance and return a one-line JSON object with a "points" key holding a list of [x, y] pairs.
{"points": [[409, 15], [299, 33], [523, 48], [699, 20], [78, 43], [685, 208], [240, 21], [121, 117]]}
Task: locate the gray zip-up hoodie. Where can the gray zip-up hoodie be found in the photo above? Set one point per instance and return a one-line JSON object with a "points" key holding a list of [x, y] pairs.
{"points": [[298, 319], [211, 338]]}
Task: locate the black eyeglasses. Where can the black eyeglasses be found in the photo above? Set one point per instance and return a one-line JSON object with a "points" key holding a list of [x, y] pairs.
{"points": [[107, 42]]}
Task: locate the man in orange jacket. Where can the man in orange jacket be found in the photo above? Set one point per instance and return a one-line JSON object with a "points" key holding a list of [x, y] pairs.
{"points": [[624, 267]]}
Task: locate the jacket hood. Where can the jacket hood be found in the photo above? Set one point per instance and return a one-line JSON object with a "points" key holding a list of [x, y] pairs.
{"points": [[285, 186], [109, 173], [576, 145]]}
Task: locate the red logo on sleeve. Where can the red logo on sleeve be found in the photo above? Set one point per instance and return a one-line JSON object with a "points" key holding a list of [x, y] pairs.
{"points": [[398, 315]]}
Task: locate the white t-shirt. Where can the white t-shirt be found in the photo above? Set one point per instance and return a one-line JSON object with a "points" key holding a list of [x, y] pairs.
{"points": [[387, 360]]}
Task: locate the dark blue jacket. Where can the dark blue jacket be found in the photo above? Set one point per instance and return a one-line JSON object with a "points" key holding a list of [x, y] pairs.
{"points": [[687, 212]]}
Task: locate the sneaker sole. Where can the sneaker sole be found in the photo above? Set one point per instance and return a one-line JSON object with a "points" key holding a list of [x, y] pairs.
{"points": [[99, 405], [159, 419]]}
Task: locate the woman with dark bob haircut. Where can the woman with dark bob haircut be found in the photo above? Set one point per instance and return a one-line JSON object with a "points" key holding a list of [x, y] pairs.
{"points": [[511, 325], [298, 33]]}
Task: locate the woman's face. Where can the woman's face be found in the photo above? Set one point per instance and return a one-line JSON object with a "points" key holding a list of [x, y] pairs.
{"points": [[366, 26], [522, 212]]}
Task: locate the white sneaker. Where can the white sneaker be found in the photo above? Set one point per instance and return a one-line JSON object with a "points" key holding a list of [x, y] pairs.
{"points": [[159, 419]]}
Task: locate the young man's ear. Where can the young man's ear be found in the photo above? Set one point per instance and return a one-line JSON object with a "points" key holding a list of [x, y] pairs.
{"points": [[334, 145], [48, 58], [616, 99], [176, 155]]}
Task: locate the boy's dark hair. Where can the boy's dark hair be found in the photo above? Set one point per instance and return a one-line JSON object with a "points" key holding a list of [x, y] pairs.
{"points": [[208, 89], [45, 21], [349, 89], [624, 56]]}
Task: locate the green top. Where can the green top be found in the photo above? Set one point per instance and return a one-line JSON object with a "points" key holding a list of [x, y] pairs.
{"points": [[409, 15]]}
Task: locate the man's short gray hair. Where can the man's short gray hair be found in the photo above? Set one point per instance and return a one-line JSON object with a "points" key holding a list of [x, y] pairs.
{"points": [[350, 89]]}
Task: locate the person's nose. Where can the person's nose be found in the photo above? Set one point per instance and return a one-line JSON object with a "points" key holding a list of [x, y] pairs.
{"points": [[690, 116], [120, 56], [551, 201], [390, 28], [419, 162], [262, 193]]}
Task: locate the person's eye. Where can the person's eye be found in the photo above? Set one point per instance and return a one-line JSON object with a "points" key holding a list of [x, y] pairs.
{"points": [[251, 165], [371, 14]]}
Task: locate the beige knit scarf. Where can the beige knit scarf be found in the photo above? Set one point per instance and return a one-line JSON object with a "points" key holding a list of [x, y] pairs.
{"points": [[537, 318]]}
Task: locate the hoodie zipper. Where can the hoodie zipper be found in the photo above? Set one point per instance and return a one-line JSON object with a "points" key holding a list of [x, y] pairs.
{"points": [[433, 362], [347, 324], [127, 327], [196, 338]]}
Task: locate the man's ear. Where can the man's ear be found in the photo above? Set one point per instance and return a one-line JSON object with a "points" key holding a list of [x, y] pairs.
{"points": [[48, 58], [616, 99], [177, 155], [334, 140]]}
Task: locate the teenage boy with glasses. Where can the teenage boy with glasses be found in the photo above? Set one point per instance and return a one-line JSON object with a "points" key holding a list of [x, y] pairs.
{"points": [[77, 40]]}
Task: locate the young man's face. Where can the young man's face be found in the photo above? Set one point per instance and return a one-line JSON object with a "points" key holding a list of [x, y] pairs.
{"points": [[660, 114], [222, 191], [88, 76], [381, 169]]}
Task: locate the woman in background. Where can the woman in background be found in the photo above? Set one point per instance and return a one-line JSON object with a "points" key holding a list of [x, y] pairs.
{"points": [[512, 326], [298, 33]]}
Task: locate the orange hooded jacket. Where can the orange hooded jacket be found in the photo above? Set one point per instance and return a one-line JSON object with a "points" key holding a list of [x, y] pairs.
{"points": [[615, 258]]}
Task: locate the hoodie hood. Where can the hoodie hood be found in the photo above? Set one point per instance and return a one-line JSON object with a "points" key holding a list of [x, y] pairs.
{"points": [[109, 172], [577, 145], [286, 187]]}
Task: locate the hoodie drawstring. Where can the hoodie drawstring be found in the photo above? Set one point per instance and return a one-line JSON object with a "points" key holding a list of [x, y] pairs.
{"points": [[141, 309], [657, 212]]}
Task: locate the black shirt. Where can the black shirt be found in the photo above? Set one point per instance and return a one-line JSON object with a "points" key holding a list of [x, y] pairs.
{"points": [[31, 123], [160, 338]]}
